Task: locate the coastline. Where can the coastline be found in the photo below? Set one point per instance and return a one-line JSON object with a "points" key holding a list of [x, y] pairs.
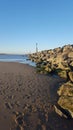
{"points": [[24, 59], [27, 99]]}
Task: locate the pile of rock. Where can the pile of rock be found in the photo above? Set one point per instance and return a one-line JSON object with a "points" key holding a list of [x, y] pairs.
{"points": [[58, 61]]}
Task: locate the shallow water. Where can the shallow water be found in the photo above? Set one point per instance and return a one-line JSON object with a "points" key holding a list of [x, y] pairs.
{"points": [[16, 58]]}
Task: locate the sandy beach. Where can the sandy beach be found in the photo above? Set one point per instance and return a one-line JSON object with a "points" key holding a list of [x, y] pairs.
{"points": [[27, 99]]}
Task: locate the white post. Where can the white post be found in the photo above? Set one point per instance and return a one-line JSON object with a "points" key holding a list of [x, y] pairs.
{"points": [[36, 47]]}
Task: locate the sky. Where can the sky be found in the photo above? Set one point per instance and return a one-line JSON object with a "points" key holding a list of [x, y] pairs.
{"points": [[23, 23]]}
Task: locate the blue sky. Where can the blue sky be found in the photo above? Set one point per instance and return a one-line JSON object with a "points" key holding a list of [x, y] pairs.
{"points": [[25, 22]]}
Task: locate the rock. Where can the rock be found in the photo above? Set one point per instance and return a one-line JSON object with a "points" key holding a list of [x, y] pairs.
{"points": [[63, 74], [59, 112], [19, 120], [65, 56], [71, 64], [70, 55], [63, 66], [48, 69], [67, 104], [67, 48], [66, 89], [58, 50], [66, 98], [71, 76]]}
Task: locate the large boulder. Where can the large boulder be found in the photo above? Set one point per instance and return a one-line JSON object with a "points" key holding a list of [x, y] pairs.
{"points": [[67, 48], [70, 54], [66, 97], [66, 89], [67, 104]]}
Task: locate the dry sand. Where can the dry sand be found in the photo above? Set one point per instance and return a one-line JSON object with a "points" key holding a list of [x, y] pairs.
{"points": [[27, 99]]}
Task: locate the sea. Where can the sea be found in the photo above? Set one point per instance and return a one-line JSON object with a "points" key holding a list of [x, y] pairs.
{"points": [[24, 59]]}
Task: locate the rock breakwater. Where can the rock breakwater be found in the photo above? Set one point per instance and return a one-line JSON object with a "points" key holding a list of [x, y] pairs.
{"points": [[58, 61]]}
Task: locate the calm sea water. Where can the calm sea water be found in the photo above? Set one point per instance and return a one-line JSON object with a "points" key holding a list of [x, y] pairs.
{"points": [[16, 58]]}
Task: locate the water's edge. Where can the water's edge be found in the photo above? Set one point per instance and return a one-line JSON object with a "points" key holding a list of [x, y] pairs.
{"points": [[24, 59]]}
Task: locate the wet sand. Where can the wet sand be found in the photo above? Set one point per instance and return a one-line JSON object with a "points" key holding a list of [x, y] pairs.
{"points": [[27, 99]]}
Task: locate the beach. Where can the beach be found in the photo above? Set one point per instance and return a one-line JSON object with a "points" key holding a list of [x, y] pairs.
{"points": [[27, 99]]}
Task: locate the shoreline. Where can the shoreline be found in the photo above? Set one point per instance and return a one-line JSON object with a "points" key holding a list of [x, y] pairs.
{"points": [[28, 97], [24, 59]]}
